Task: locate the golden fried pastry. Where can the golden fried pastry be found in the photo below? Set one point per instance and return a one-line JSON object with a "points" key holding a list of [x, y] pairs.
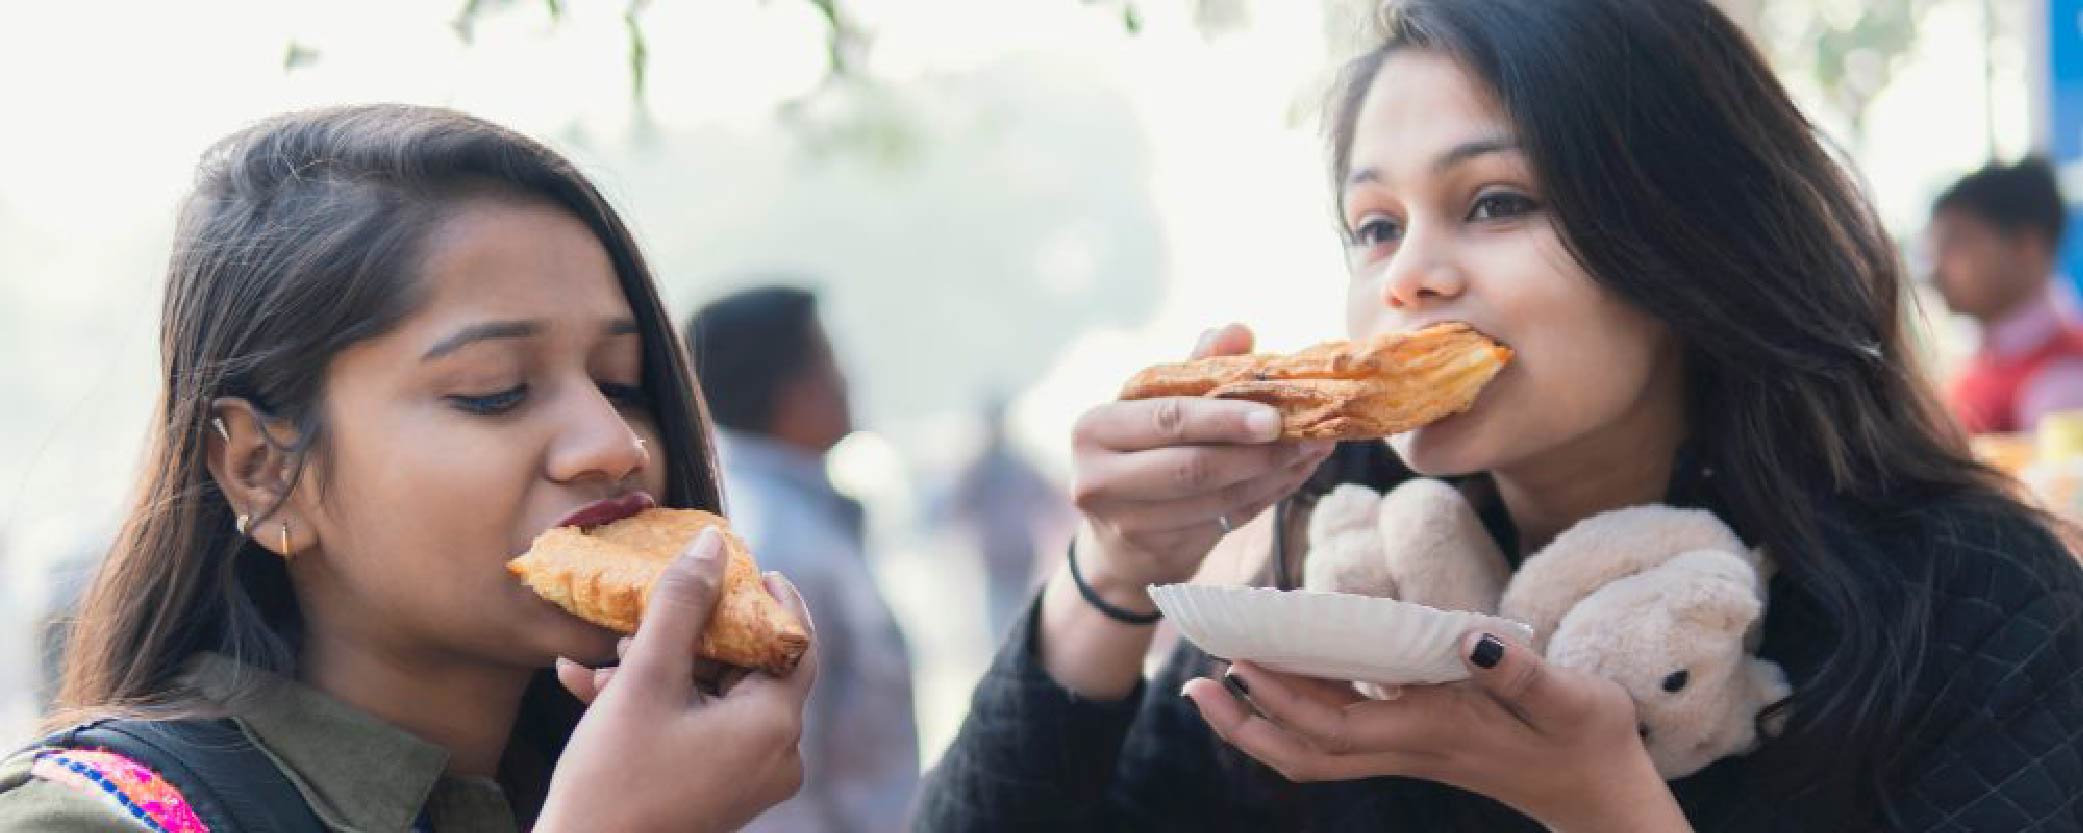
{"points": [[604, 576], [1342, 390]]}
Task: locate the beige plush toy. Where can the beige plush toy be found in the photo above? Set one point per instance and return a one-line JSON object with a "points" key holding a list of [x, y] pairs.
{"points": [[1664, 601]]}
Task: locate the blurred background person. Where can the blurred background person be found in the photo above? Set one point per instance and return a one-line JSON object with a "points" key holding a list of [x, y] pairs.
{"points": [[1010, 512], [779, 400], [1995, 235]]}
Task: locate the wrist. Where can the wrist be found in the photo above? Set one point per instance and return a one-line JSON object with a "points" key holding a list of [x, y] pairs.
{"points": [[1096, 567], [1635, 799]]}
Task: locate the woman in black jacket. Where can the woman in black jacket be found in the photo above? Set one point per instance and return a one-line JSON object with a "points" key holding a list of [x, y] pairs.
{"points": [[1706, 312]]}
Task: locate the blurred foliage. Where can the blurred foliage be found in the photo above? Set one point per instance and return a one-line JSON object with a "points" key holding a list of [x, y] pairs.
{"points": [[846, 42], [1852, 48]]}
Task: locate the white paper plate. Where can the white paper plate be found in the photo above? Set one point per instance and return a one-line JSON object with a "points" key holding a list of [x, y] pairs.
{"points": [[1333, 636]]}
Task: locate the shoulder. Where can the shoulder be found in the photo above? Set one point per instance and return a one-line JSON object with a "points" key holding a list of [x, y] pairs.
{"points": [[1991, 584], [1983, 550], [88, 791]]}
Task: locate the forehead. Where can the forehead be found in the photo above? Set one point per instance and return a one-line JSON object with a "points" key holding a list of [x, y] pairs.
{"points": [[1420, 104], [500, 258], [1953, 221]]}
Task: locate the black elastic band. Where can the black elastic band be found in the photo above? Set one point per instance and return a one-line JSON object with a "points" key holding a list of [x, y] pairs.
{"points": [[1112, 611]]}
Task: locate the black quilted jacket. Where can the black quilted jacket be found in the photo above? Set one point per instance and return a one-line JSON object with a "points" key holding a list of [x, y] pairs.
{"points": [[1997, 732]]}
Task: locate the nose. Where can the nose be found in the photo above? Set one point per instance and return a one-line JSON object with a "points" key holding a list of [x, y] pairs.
{"points": [[595, 441], [1423, 272]]}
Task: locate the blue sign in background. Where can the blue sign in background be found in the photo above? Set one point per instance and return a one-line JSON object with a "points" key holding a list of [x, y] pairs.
{"points": [[2065, 117]]}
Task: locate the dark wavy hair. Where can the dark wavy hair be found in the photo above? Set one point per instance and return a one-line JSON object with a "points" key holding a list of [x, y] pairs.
{"points": [[1684, 180], [304, 236]]}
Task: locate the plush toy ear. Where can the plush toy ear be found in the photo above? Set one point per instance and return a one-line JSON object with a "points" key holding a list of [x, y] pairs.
{"points": [[1768, 685], [1715, 588]]}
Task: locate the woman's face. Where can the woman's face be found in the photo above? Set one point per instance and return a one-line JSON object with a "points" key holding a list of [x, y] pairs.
{"points": [[510, 398], [1447, 223]]}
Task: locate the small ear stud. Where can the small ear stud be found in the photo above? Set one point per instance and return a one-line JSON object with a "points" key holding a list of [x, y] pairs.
{"points": [[218, 423], [243, 522]]}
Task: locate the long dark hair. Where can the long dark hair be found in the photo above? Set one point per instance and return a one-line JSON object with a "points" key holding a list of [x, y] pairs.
{"points": [[1685, 181], [302, 237]]}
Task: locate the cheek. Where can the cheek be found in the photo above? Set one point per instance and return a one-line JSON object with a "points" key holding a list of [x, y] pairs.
{"points": [[1583, 359], [423, 510], [1363, 305]]}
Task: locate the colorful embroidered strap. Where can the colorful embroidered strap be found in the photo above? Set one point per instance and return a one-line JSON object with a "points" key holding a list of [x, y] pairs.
{"points": [[134, 790]]}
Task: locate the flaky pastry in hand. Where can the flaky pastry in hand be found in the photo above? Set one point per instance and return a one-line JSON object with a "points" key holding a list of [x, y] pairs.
{"points": [[604, 575], [1344, 390]]}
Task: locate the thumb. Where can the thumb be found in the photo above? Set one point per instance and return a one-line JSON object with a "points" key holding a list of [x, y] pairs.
{"points": [[1519, 679], [1227, 340], [677, 609], [583, 683]]}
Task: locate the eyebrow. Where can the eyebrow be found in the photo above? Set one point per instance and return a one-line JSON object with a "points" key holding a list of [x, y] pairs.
{"points": [[496, 330], [481, 332], [1447, 161]]}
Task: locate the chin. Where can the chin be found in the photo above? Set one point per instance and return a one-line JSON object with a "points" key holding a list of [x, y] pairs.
{"points": [[545, 632], [1449, 448]]}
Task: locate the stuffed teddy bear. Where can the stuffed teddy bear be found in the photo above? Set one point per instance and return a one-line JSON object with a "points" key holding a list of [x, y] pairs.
{"points": [[1666, 602]]}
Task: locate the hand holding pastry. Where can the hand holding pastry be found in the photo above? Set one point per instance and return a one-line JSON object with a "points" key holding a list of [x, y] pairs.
{"points": [[655, 753]]}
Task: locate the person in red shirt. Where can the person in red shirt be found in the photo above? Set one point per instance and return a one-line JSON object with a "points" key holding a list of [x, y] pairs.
{"points": [[1995, 234]]}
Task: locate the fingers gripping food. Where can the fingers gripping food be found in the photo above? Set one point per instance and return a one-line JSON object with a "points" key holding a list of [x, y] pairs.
{"points": [[1345, 390], [604, 575]]}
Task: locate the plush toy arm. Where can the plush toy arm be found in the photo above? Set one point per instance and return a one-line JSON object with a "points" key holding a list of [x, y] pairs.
{"points": [[1438, 551], [1345, 555]]}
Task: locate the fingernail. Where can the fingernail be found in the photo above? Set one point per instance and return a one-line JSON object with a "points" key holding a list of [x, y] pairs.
{"points": [[1236, 685], [1488, 651], [706, 545], [563, 663], [1263, 423]]}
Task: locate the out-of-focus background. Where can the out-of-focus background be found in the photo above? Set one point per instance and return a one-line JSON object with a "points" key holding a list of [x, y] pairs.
{"points": [[1016, 199]]}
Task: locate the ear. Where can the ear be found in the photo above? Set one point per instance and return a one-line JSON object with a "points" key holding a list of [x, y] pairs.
{"points": [[1768, 685], [254, 465], [1715, 589]]}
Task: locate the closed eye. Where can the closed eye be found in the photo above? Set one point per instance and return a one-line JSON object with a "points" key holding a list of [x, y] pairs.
{"points": [[492, 404], [626, 396]]}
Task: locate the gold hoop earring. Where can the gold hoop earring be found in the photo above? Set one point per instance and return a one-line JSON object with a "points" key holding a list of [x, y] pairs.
{"points": [[286, 552], [243, 522]]}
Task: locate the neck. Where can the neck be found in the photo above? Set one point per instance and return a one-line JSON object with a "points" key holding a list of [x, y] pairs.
{"points": [[467, 709], [2024, 301], [1628, 463]]}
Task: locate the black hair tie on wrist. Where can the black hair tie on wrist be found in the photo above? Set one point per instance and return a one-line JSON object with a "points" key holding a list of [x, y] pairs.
{"points": [[1111, 610]]}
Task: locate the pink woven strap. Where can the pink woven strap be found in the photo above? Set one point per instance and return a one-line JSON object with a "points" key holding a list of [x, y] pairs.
{"points": [[128, 786]]}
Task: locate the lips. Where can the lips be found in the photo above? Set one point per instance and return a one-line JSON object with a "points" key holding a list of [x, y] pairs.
{"points": [[609, 511]]}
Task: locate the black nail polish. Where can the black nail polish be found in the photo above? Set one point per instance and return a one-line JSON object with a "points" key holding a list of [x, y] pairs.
{"points": [[1236, 685], [1488, 651]]}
